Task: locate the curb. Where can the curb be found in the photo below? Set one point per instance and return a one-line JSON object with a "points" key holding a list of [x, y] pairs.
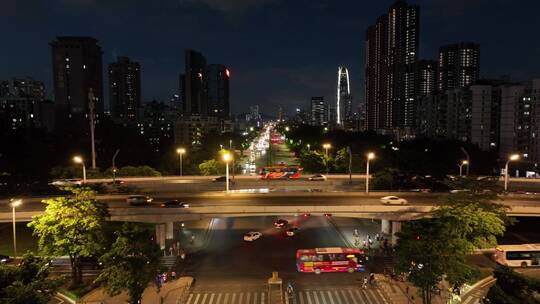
{"points": [[475, 286], [340, 233], [65, 298]]}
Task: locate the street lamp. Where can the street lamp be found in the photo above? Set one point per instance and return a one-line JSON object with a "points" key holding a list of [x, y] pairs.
{"points": [[287, 129], [326, 147], [464, 162], [309, 147], [180, 152], [370, 156], [512, 157], [14, 204], [80, 160], [227, 157]]}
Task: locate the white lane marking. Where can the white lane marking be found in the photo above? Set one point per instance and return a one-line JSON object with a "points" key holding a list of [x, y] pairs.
{"points": [[226, 299], [308, 298], [381, 296], [248, 298], [218, 298], [352, 295], [189, 298], [197, 298], [330, 297], [316, 297], [338, 298], [204, 298], [233, 298], [262, 297], [211, 300], [344, 295], [300, 297]]}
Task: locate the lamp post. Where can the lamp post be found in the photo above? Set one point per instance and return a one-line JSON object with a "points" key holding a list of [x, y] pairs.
{"points": [[14, 203], [464, 162], [370, 156], [326, 147], [80, 160], [227, 157], [308, 147], [180, 152], [512, 157]]}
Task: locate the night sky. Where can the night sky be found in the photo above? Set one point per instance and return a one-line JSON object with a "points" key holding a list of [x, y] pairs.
{"points": [[279, 51]]}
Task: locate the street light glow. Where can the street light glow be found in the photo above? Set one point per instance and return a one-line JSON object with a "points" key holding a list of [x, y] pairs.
{"points": [[371, 155], [227, 157], [180, 150], [16, 203], [287, 129], [327, 146], [78, 159], [514, 157], [464, 162]]}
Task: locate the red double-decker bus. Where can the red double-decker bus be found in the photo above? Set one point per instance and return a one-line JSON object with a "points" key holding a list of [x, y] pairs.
{"points": [[280, 172], [334, 259]]}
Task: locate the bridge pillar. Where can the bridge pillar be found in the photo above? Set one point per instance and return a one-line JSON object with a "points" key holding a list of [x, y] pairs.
{"points": [[385, 227], [396, 227], [169, 230], [160, 235]]}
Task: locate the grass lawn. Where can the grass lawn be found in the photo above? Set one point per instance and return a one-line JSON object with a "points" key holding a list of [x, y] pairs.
{"points": [[25, 240]]}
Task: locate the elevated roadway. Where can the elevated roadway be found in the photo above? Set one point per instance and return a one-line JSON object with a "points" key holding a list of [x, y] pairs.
{"points": [[219, 204]]}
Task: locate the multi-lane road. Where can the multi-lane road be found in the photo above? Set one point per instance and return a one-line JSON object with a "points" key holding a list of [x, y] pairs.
{"points": [[230, 270]]}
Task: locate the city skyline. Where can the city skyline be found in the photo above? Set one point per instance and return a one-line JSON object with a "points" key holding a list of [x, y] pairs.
{"points": [[305, 70]]}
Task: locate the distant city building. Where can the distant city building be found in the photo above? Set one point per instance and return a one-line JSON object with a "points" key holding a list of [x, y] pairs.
{"points": [[301, 117], [77, 68], [189, 130], [343, 97], [391, 56], [216, 81], [459, 65], [192, 84], [124, 89], [426, 77], [319, 111], [156, 121], [21, 103]]}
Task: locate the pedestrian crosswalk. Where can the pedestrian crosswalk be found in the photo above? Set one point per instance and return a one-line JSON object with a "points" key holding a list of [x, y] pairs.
{"points": [[318, 296]]}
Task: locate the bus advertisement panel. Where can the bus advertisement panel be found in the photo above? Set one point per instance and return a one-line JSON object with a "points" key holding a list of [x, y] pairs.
{"points": [[280, 172], [334, 259]]}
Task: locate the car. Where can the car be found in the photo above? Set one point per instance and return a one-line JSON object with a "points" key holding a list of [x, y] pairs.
{"points": [[423, 190], [252, 236], [5, 259], [393, 200], [174, 204], [222, 179], [139, 200], [292, 231], [280, 223], [66, 182], [317, 177], [116, 182]]}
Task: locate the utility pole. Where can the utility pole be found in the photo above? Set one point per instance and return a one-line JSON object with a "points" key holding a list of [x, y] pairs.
{"points": [[92, 125], [350, 164], [114, 166]]}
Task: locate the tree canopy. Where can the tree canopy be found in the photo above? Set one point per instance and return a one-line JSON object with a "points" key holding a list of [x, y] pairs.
{"points": [[71, 226], [131, 263]]}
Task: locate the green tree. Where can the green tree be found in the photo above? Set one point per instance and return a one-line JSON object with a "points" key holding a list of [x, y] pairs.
{"points": [[28, 282], [209, 167], [131, 263], [341, 163], [71, 226], [427, 250], [513, 288], [313, 161]]}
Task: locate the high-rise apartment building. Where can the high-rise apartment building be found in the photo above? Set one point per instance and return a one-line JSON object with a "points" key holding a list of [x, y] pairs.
{"points": [[21, 101], [391, 56], [216, 82], [192, 84], [77, 69], [459, 65], [319, 111], [124, 89], [426, 77]]}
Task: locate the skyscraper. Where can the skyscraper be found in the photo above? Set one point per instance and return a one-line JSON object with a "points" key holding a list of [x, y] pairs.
{"points": [[216, 83], [192, 84], [459, 65], [124, 89], [343, 96], [426, 77], [319, 111], [77, 68], [391, 56]]}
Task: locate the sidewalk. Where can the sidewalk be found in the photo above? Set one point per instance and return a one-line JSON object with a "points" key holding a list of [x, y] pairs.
{"points": [[170, 293]]}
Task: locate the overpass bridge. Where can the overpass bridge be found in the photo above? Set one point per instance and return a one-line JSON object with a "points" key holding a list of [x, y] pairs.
{"points": [[219, 204]]}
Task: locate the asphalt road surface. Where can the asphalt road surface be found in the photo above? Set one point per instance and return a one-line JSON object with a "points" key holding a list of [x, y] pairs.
{"points": [[230, 270]]}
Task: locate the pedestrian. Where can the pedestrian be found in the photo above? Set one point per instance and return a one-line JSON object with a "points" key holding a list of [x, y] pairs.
{"points": [[364, 284], [355, 233], [173, 275], [192, 238], [371, 278], [171, 250]]}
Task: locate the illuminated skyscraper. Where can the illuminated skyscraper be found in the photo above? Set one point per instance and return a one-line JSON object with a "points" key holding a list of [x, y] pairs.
{"points": [[344, 100], [459, 65], [124, 89]]}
